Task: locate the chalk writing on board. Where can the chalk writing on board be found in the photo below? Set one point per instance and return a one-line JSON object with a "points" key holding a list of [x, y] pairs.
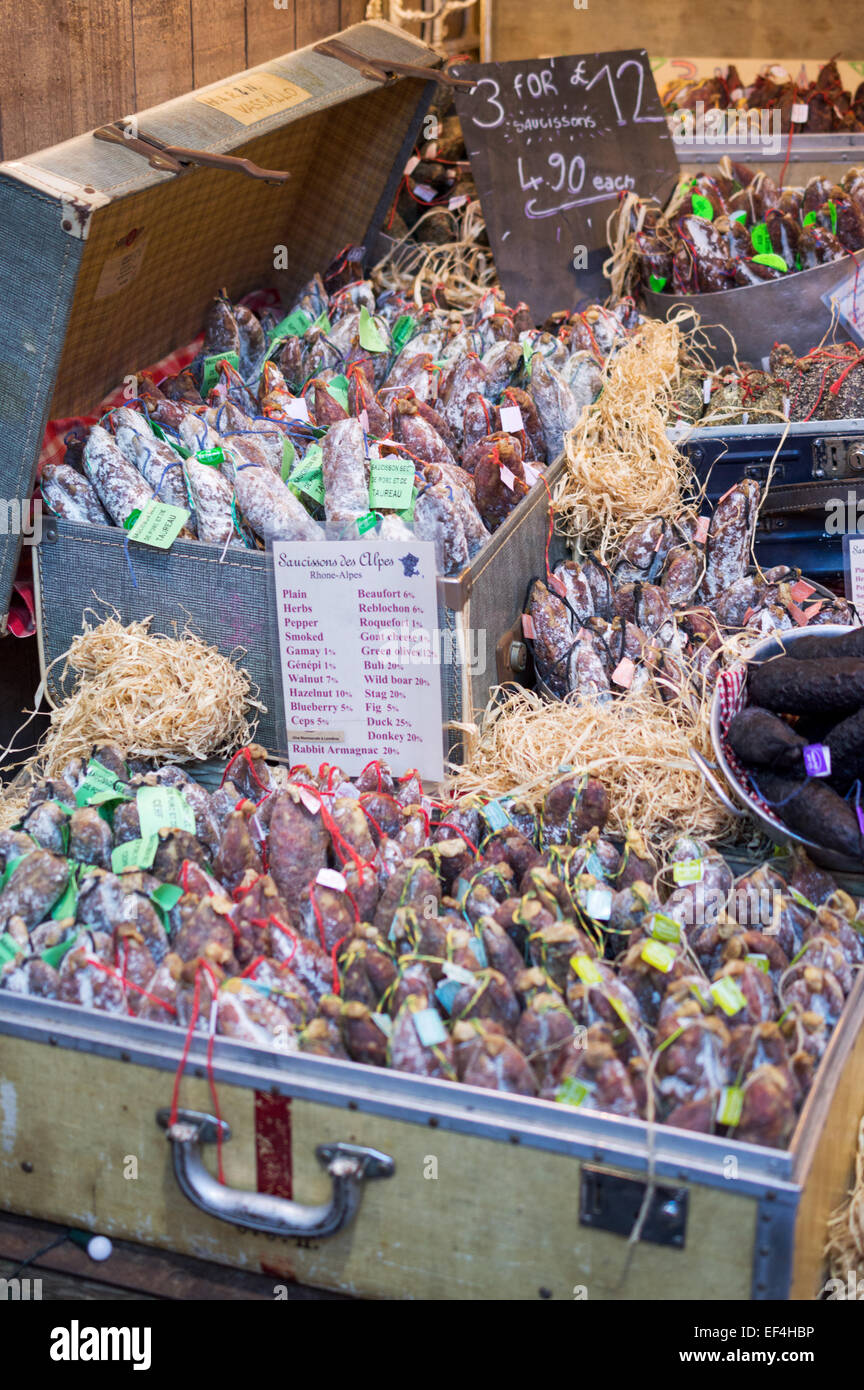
{"points": [[551, 141]]}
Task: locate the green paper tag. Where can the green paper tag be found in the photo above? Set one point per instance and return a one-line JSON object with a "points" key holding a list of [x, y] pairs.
{"points": [[573, 1092], [407, 513], [664, 928], [832, 212], [621, 1011], [401, 331], [294, 325], [213, 458], [527, 355], [163, 808], [167, 895], [366, 523], [656, 282], [586, 968], [738, 216], [761, 962], [337, 387], [702, 206], [210, 370], [688, 871], [391, 483], [97, 779], [131, 519], [308, 476], [776, 262], [288, 456], [9, 949], [760, 239], [495, 816], [65, 906], [801, 900], [369, 333], [159, 525], [322, 322], [810, 218], [730, 1105], [134, 854], [658, 955], [53, 955], [11, 866], [728, 995]]}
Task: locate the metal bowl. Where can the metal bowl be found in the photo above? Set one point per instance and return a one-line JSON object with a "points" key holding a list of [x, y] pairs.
{"points": [[774, 828]]}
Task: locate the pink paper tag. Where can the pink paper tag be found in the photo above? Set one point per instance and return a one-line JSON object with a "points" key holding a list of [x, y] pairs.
{"points": [[363, 417], [624, 673], [749, 614], [557, 585], [801, 590], [507, 478], [700, 535], [528, 625], [814, 608], [799, 618], [309, 801], [411, 165]]}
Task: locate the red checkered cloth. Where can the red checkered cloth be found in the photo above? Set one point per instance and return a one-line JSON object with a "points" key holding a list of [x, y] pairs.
{"points": [[22, 616], [730, 695]]}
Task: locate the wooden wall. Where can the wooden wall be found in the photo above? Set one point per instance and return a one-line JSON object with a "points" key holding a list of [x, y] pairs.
{"points": [[743, 28], [69, 65]]}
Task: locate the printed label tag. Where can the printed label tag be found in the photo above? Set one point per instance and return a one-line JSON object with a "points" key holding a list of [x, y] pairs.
{"points": [[664, 928], [728, 995], [210, 370], [688, 871], [658, 955], [308, 475], [586, 968], [159, 525], [817, 760], [511, 419], [163, 808], [331, 878], [288, 456], [801, 900], [495, 816], [391, 482], [528, 626], [134, 854], [706, 390], [429, 1027]]}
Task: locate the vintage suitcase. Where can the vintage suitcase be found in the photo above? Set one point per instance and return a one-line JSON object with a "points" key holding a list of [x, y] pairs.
{"points": [[820, 462], [108, 263], [386, 1185]]}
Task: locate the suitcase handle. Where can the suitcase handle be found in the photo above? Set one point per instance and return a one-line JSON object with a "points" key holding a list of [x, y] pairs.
{"points": [[349, 1166]]}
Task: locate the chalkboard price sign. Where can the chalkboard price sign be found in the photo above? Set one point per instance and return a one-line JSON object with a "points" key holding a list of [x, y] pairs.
{"points": [[553, 144]]}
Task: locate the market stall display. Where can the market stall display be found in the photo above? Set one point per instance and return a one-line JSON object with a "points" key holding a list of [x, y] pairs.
{"points": [[816, 106]]}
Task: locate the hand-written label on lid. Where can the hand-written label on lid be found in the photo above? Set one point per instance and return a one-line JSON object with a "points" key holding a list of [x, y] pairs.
{"points": [[511, 419], [252, 98], [817, 759]]}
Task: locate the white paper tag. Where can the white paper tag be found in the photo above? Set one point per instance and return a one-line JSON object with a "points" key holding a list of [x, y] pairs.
{"points": [[736, 94], [297, 410], [459, 972], [511, 419], [766, 364], [706, 390], [507, 477], [331, 878], [412, 164], [424, 192], [598, 904], [531, 474], [309, 801], [429, 1027], [800, 112], [457, 201]]}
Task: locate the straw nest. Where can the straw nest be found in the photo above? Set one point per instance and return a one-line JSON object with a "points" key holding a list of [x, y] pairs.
{"points": [[845, 1248], [621, 467], [461, 267], [636, 745], [171, 698]]}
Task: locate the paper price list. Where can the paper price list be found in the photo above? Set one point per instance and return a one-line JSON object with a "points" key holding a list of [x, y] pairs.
{"points": [[357, 653]]}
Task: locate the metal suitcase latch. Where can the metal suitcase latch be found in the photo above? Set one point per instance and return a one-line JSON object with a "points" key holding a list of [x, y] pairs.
{"points": [[173, 159], [837, 457], [612, 1203], [385, 69]]}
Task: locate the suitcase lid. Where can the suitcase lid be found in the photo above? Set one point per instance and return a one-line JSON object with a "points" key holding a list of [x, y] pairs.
{"points": [[108, 264]]}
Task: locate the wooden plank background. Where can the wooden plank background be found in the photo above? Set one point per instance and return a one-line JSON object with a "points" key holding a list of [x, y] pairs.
{"points": [[75, 64]]}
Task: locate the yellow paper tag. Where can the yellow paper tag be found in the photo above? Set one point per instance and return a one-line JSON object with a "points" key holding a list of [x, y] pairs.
{"points": [[658, 955], [253, 98], [586, 969]]}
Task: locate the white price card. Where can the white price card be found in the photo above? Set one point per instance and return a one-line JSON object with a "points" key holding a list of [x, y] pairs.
{"points": [[853, 568], [360, 653]]}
